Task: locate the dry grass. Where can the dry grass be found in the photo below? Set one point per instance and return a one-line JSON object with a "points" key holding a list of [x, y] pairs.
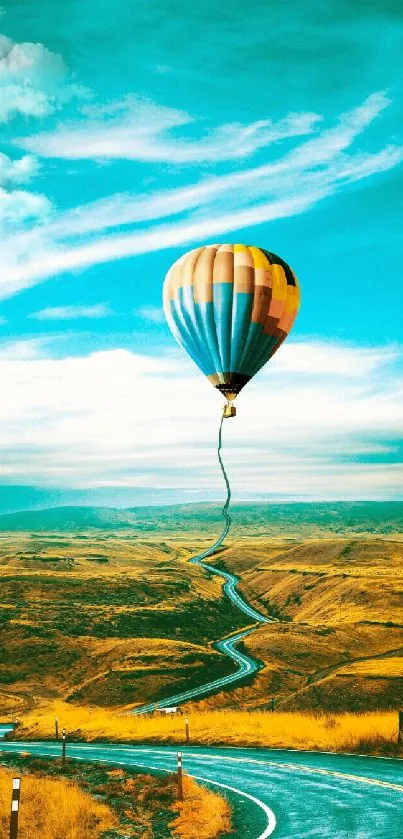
{"points": [[116, 619], [333, 580], [391, 667], [338, 732], [203, 813], [53, 809]]}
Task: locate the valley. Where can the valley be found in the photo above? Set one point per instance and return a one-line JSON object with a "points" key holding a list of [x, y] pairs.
{"points": [[119, 618]]}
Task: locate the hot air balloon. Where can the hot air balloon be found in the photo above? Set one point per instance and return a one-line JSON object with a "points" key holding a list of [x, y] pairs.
{"points": [[230, 307]]}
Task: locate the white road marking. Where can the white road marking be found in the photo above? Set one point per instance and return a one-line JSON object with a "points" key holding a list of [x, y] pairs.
{"points": [[271, 819], [276, 764]]}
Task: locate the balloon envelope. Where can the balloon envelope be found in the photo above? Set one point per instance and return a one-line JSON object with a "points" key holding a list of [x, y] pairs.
{"points": [[230, 307]]}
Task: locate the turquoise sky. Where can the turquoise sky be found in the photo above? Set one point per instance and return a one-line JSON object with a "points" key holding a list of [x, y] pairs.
{"points": [[132, 132]]}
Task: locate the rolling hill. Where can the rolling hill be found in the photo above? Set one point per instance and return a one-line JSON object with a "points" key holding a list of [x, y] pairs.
{"points": [[258, 519], [101, 606]]}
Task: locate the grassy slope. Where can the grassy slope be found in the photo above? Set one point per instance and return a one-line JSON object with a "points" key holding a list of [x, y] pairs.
{"points": [[374, 732], [109, 620], [117, 618], [53, 809], [133, 803], [345, 601], [305, 519]]}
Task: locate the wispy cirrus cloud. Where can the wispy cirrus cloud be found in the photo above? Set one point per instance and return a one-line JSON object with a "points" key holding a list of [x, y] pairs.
{"points": [[327, 416], [98, 310], [152, 314], [136, 130], [119, 226]]}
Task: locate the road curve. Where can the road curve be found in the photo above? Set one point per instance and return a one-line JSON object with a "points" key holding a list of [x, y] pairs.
{"points": [[246, 664], [294, 795], [229, 588]]}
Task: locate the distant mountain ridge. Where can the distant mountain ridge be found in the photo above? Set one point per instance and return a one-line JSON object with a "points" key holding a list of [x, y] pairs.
{"points": [[337, 517]]}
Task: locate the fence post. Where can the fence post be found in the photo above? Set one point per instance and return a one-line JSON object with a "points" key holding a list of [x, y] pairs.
{"points": [[63, 746], [15, 806], [187, 730], [56, 729], [400, 729], [180, 777]]}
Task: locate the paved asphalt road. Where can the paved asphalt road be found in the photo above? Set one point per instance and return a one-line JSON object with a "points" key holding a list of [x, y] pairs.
{"points": [[230, 590], [5, 728], [246, 664], [287, 794]]}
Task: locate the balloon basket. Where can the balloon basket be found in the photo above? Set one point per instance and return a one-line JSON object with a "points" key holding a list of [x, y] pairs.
{"points": [[229, 411]]}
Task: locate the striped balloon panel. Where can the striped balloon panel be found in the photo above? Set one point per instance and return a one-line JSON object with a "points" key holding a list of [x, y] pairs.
{"points": [[230, 307]]}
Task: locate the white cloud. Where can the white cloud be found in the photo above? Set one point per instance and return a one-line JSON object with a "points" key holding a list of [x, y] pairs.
{"points": [[319, 358], [115, 228], [33, 80], [20, 206], [18, 171], [98, 310], [153, 314], [136, 130], [23, 350], [119, 419]]}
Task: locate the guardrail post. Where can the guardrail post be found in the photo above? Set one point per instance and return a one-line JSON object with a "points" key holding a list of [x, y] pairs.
{"points": [[180, 777], [400, 729], [56, 729], [187, 730], [15, 806], [63, 746]]}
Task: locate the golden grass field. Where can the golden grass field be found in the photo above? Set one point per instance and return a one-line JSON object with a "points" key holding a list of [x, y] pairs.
{"points": [[339, 732], [53, 809], [203, 814], [105, 620], [112, 620], [88, 803]]}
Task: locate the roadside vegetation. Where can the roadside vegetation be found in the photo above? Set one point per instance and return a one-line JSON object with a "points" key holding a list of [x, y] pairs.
{"points": [[94, 801], [53, 809], [374, 732], [203, 814], [119, 619]]}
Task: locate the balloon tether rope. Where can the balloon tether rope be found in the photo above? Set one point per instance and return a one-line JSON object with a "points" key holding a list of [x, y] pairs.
{"points": [[224, 512]]}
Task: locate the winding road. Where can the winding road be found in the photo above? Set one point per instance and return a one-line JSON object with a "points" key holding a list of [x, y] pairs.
{"points": [[294, 795], [246, 664]]}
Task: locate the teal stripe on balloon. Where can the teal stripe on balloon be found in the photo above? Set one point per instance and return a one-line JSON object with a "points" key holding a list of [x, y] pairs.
{"points": [[265, 353], [199, 323], [241, 323], [222, 300], [178, 325], [254, 342], [207, 315], [187, 305]]}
